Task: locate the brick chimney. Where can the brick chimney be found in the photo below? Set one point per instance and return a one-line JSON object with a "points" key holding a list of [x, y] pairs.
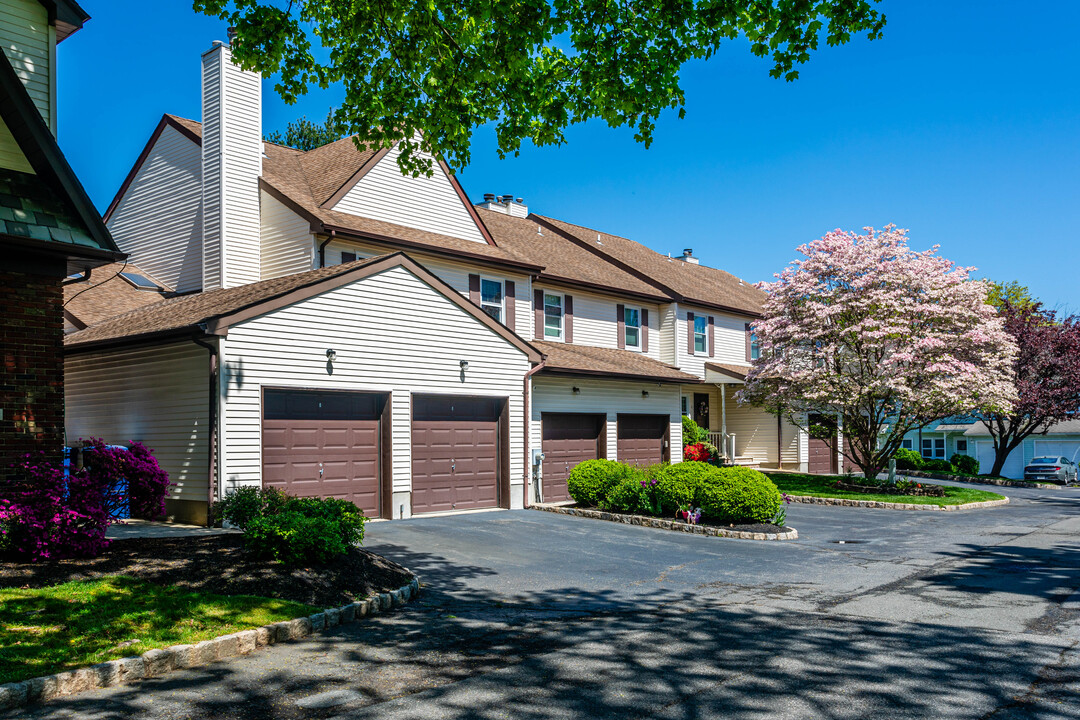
{"points": [[232, 150]]}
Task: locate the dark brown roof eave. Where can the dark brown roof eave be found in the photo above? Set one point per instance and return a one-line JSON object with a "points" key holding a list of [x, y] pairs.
{"points": [[689, 380], [606, 289], [721, 307], [528, 268], [154, 338]]}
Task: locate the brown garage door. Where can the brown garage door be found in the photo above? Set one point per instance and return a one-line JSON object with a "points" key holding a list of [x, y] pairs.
{"points": [[568, 439], [455, 453], [822, 459], [324, 444], [643, 439]]}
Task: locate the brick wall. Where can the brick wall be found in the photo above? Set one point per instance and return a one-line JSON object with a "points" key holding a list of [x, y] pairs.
{"points": [[31, 350]]}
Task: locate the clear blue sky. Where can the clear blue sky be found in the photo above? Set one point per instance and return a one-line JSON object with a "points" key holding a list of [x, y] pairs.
{"points": [[961, 124]]}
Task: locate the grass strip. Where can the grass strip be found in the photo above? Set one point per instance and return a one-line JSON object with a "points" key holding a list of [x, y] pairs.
{"points": [[63, 627], [824, 486]]}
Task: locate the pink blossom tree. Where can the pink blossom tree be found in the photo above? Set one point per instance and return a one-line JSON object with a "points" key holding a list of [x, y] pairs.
{"points": [[882, 336]]}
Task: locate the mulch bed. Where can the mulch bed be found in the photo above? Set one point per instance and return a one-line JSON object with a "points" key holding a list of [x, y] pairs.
{"points": [[218, 564]]}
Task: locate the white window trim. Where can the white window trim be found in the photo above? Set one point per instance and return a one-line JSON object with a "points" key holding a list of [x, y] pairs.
{"points": [[640, 334], [705, 352], [502, 295], [933, 448], [562, 316]]}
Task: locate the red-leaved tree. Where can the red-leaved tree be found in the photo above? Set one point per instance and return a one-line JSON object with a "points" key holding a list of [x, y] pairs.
{"points": [[1047, 372]]}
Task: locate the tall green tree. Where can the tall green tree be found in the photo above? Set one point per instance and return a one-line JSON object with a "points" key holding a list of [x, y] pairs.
{"points": [[305, 135], [1010, 293], [428, 73]]}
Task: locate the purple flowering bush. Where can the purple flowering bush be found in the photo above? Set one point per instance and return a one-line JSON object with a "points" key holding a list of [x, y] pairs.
{"points": [[47, 514]]}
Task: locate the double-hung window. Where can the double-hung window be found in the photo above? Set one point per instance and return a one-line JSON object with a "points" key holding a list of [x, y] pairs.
{"points": [[701, 334], [491, 298], [961, 447], [755, 346], [906, 444], [632, 328], [933, 447], [553, 316]]}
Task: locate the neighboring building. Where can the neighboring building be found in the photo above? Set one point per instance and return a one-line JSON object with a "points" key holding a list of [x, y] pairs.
{"points": [[49, 229], [968, 436], [465, 337]]}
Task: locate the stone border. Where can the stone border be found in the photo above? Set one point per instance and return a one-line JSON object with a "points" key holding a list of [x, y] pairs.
{"points": [[661, 523], [155, 663], [978, 481], [848, 502]]}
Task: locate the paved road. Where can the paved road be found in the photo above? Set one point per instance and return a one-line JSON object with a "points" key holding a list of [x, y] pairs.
{"points": [[532, 615]]}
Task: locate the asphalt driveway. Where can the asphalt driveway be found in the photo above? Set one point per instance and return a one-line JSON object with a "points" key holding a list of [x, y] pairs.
{"points": [[526, 614]]}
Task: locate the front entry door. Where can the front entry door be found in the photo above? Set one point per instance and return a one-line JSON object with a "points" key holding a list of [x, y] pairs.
{"points": [[701, 409]]}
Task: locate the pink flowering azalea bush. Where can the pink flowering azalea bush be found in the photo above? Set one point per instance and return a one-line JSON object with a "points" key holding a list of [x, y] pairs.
{"points": [[882, 336], [48, 514]]}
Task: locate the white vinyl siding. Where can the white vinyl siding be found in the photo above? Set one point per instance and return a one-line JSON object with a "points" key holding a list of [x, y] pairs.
{"points": [[287, 243], [425, 203], [232, 164], [610, 397], [156, 395], [596, 319], [377, 350], [755, 430], [668, 336], [452, 272], [158, 221], [30, 46], [729, 340], [11, 155]]}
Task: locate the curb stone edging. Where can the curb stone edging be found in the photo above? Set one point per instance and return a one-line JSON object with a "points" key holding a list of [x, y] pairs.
{"points": [[662, 524], [161, 661], [979, 481], [847, 502]]}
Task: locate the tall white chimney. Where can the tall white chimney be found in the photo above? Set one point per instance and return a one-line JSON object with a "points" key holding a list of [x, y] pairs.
{"points": [[232, 149]]}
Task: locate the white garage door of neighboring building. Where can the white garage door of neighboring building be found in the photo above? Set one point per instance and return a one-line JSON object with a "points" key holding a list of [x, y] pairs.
{"points": [[1053, 448], [1014, 465]]}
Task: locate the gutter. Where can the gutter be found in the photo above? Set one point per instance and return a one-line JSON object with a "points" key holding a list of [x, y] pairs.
{"points": [[526, 381], [322, 248], [211, 477]]}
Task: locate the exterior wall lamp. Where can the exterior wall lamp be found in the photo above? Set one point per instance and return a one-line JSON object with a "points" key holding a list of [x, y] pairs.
{"points": [[644, 393], [331, 354], [576, 390], [464, 365]]}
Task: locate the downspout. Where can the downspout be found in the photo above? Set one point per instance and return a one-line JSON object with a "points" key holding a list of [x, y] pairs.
{"points": [[211, 485], [322, 248], [528, 431], [779, 441]]}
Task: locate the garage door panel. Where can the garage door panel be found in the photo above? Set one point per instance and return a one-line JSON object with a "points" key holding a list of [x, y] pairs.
{"points": [[455, 449], [1055, 448], [337, 433], [641, 439], [567, 440]]}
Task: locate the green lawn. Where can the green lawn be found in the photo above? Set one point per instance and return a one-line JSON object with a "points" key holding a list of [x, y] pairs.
{"points": [[822, 486], [49, 630]]}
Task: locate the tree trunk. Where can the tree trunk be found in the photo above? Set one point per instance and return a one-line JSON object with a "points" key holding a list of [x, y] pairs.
{"points": [[1001, 454]]}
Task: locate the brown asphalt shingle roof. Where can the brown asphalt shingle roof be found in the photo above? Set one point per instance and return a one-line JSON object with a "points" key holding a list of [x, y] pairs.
{"points": [[735, 371], [106, 294], [188, 311], [560, 257], [710, 286], [588, 360]]}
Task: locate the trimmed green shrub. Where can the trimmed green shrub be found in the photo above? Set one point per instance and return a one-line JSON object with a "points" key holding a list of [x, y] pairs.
{"points": [[739, 494], [937, 466], [908, 460], [590, 481], [633, 494], [241, 505], [692, 433], [677, 485], [964, 464]]}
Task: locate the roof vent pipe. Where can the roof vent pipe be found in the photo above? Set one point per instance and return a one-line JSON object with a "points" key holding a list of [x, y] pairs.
{"points": [[489, 197]]}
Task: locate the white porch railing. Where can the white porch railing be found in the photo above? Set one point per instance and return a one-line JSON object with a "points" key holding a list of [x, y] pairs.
{"points": [[725, 443]]}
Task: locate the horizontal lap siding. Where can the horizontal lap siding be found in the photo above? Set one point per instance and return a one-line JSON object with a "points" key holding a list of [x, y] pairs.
{"points": [[29, 46], [729, 339], [609, 397], [379, 348], [424, 203], [287, 244], [596, 319], [241, 168], [158, 222], [454, 274], [755, 433], [158, 396], [11, 155]]}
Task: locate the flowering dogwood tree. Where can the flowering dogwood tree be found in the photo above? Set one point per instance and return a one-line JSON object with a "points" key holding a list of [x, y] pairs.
{"points": [[883, 336], [1047, 374]]}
